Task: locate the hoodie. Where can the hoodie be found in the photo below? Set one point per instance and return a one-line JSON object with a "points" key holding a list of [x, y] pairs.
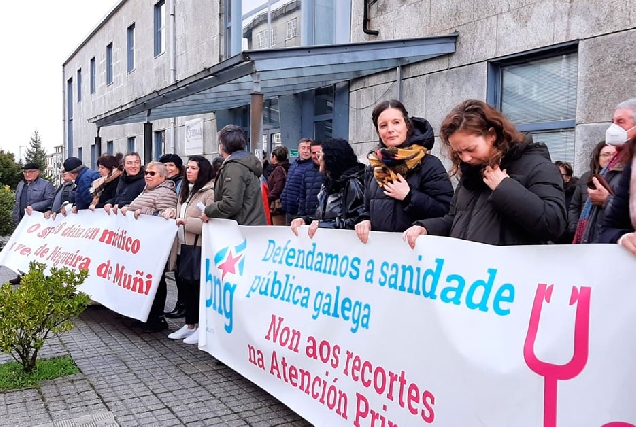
{"points": [[237, 190], [527, 207]]}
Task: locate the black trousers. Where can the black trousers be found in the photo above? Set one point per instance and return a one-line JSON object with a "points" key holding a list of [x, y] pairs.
{"points": [[192, 290], [159, 303]]}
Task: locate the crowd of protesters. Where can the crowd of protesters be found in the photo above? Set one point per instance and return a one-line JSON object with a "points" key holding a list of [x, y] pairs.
{"points": [[508, 190]]}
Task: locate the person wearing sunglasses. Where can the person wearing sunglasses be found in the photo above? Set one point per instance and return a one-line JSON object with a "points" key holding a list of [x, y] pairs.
{"points": [[157, 197]]}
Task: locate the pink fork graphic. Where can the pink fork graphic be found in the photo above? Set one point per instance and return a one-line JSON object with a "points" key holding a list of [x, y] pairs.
{"points": [[553, 373]]}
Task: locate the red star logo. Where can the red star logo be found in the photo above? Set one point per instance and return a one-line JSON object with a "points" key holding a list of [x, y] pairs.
{"points": [[229, 265]]}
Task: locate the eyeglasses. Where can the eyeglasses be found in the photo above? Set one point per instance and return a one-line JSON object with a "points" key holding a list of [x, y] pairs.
{"points": [[151, 173]]}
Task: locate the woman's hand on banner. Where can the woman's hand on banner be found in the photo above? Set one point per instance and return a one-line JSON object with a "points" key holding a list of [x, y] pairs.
{"points": [[107, 208], [296, 222], [412, 233], [628, 241], [137, 213], [182, 221], [312, 228], [362, 230], [170, 213], [122, 210]]}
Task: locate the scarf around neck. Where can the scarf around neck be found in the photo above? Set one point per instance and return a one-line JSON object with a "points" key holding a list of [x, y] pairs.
{"points": [[388, 162], [98, 186]]}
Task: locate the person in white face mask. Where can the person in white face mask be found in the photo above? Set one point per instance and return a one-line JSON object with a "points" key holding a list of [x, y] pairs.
{"points": [[620, 219]]}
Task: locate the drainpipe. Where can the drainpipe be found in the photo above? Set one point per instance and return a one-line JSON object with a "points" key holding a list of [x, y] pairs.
{"points": [[65, 116], [173, 71], [366, 20]]}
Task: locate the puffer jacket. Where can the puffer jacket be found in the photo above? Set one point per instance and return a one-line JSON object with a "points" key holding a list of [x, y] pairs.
{"points": [[309, 189], [291, 193], [237, 190], [153, 201], [526, 208], [194, 224], [129, 187], [65, 193], [617, 219], [341, 202], [84, 180], [430, 195], [40, 195]]}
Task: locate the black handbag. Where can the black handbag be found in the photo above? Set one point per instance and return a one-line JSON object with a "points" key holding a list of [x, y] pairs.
{"points": [[190, 262]]}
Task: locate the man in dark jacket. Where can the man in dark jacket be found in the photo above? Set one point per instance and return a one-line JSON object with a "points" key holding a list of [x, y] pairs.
{"points": [[237, 190], [291, 193], [64, 195], [131, 183], [83, 178], [311, 184]]}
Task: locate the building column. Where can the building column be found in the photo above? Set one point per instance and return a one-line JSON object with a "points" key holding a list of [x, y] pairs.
{"points": [[147, 142], [256, 114]]}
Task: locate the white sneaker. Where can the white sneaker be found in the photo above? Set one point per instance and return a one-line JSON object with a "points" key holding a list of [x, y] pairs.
{"points": [[193, 338], [182, 333]]}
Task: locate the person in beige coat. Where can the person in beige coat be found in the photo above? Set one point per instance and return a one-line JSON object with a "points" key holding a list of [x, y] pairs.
{"points": [[193, 197], [157, 196]]}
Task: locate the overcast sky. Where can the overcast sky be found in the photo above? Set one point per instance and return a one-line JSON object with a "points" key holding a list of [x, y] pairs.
{"points": [[36, 37]]}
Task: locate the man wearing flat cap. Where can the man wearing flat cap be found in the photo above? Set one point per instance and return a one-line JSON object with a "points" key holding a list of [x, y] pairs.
{"points": [[33, 194], [83, 178]]}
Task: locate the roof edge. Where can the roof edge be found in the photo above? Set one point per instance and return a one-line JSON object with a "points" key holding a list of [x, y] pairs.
{"points": [[90, 35]]}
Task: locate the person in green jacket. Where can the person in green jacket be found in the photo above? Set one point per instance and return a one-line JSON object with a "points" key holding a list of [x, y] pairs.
{"points": [[237, 190]]}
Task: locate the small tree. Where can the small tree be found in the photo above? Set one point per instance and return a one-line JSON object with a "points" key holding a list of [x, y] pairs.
{"points": [[35, 153], [6, 210], [39, 306], [10, 171]]}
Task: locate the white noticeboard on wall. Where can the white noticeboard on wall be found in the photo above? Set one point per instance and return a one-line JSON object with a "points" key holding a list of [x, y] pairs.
{"points": [[194, 137]]}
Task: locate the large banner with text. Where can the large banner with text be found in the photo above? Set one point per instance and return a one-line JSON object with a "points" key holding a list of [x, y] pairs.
{"points": [[453, 333], [124, 256]]}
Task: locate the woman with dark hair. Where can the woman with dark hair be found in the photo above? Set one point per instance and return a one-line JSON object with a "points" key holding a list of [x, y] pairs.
{"points": [[341, 199], [599, 187], [276, 184], [600, 157], [103, 189], [509, 191], [174, 166], [404, 182], [198, 192]]}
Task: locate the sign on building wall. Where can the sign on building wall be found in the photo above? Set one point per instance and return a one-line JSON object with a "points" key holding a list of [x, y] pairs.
{"points": [[194, 137]]}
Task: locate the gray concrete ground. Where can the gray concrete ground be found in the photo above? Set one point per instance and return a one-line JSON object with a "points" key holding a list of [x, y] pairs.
{"points": [[133, 378]]}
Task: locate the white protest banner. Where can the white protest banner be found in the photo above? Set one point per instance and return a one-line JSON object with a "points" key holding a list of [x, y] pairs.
{"points": [[453, 333], [125, 257], [193, 137]]}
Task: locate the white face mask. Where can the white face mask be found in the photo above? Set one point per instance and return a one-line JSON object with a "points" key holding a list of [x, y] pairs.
{"points": [[616, 135]]}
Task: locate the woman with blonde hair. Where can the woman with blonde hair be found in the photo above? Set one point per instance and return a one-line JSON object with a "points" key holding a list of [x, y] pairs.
{"points": [[509, 193]]}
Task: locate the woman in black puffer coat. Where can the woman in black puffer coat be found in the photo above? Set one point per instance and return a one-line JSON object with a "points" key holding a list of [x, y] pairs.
{"points": [[341, 199], [404, 182], [510, 193]]}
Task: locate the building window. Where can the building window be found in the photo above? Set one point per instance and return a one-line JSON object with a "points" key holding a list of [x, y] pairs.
{"points": [[93, 157], [109, 63], [260, 40], [160, 27], [92, 76], [79, 85], [131, 144], [130, 48], [272, 37], [109, 147], [537, 93], [80, 154], [69, 114], [323, 112], [160, 136], [292, 28]]}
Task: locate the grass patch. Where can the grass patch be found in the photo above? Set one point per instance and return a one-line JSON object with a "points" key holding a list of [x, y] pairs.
{"points": [[13, 377]]}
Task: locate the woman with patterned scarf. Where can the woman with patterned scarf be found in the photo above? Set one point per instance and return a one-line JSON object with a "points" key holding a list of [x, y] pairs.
{"points": [[600, 197], [404, 182], [103, 188]]}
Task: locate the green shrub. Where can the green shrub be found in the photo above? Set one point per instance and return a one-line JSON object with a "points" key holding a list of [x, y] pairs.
{"points": [[40, 305], [6, 208]]}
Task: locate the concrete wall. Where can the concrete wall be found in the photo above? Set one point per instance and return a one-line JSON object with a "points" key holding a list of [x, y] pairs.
{"points": [[198, 46], [490, 29]]}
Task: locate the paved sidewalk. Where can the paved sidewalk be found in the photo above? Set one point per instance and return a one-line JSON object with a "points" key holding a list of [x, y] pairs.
{"points": [[134, 378]]}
